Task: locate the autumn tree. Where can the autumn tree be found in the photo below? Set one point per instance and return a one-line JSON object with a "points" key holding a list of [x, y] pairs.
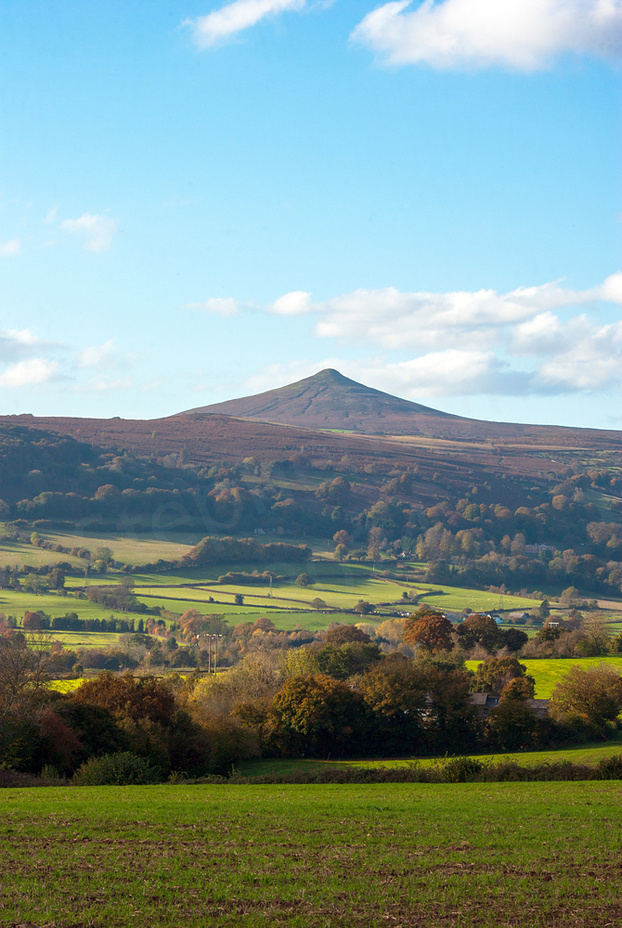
{"points": [[347, 660], [570, 596], [342, 537], [145, 710], [512, 723], [595, 635], [430, 630], [335, 491], [193, 623], [317, 716], [24, 670], [479, 628], [375, 539], [595, 693], [494, 675], [395, 690], [128, 696], [451, 720], [345, 634], [513, 639]]}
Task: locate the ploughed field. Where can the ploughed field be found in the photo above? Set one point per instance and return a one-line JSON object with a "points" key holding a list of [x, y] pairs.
{"points": [[529, 854]]}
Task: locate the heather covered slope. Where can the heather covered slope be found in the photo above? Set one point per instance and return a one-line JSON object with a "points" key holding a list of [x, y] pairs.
{"points": [[328, 400]]}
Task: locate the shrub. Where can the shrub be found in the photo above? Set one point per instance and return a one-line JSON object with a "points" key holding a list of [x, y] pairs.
{"points": [[461, 770], [610, 768], [120, 769]]}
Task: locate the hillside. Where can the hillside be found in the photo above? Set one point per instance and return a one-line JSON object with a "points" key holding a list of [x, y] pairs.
{"points": [[328, 417], [328, 400]]}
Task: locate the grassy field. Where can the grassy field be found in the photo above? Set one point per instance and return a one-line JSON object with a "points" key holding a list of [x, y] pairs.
{"points": [[589, 754], [73, 640], [340, 586], [12, 603], [534, 855], [549, 672], [23, 555], [130, 549]]}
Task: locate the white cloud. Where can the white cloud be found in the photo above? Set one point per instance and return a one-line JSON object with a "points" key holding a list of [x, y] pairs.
{"points": [[524, 35], [51, 216], [26, 373], [102, 357], [484, 342], [234, 17], [220, 306], [10, 249], [393, 319], [611, 289], [20, 343], [440, 373], [97, 230], [588, 357], [102, 385], [295, 303]]}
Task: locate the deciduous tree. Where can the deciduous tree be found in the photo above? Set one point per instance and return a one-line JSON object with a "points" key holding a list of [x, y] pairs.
{"points": [[479, 628], [431, 630], [492, 676], [345, 634], [594, 693], [317, 716], [24, 670]]}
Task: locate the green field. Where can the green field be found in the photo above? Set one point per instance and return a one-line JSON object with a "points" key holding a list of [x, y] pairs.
{"points": [[532, 855], [589, 754], [344, 586], [12, 603], [548, 672], [24, 555], [130, 549], [178, 591]]}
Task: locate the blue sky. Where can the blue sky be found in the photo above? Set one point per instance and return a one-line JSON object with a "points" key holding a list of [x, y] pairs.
{"points": [[201, 201]]}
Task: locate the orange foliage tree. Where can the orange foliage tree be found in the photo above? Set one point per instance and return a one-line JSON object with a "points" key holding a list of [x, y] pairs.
{"points": [[430, 630]]}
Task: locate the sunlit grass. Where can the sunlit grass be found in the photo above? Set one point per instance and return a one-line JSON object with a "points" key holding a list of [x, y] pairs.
{"points": [[487, 855], [548, 672]]}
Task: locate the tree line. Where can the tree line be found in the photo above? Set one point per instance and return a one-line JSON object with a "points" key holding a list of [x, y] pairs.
{"points": [[338, 697]]}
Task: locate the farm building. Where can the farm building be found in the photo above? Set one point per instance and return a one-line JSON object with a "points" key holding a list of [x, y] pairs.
{"points": [[484, 702]]}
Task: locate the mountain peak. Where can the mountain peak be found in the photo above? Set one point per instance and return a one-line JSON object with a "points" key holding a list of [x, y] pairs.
{"points": [[329, 400]]}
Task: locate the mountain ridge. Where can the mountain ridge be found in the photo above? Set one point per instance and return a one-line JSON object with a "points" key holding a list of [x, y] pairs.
{"points": [[312, 421], [329, 400]]}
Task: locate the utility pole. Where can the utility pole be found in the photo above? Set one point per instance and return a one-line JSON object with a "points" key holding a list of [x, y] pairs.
{"points": [[214, 662]]}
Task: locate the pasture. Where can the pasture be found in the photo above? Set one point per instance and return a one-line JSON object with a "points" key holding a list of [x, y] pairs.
{"points": [[589, 754], [16, 603], [548, 672], [18, 554], [341, 586], [128, 548], [503, 854]]}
